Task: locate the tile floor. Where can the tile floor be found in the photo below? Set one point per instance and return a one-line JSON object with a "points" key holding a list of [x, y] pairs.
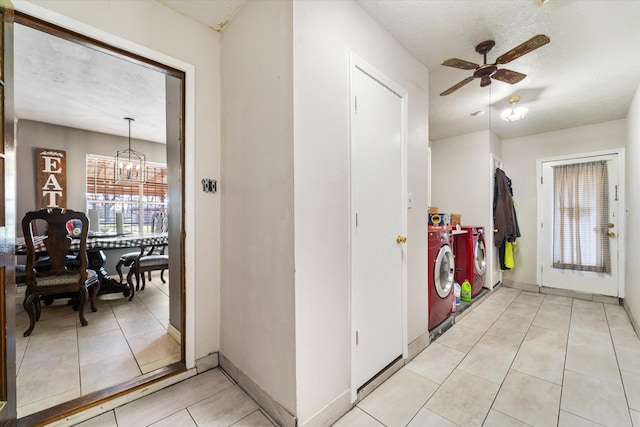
{"points": [[62, 360], [207, 399], [515, 359]]}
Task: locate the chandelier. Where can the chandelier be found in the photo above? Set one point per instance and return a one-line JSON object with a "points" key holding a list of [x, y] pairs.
{"points": [[130, 164]]}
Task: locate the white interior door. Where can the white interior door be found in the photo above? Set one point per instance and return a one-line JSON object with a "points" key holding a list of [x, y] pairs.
{"points": [[576, 280], [377, 176]]}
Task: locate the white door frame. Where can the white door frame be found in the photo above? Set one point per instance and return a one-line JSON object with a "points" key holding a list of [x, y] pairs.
{"points": [[430, 178], [493, 273], [356, 63], [622, 209]]}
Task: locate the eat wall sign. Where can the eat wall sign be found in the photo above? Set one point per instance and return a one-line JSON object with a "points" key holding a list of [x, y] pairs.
{"points": [[51, 178]]}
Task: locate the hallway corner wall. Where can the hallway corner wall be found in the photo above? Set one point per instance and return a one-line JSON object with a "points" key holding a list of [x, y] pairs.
{"points": [[632, 169], [462, 181], [258, 282]]}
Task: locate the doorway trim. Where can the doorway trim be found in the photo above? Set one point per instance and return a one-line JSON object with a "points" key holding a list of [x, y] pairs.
{"points": [[355, 63], [622, 210], [49, 16]]}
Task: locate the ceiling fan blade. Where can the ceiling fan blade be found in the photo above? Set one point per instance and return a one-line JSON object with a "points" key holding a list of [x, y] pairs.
{"points": [[508, 76], [457, 86], [524, 48], [460, 63]]}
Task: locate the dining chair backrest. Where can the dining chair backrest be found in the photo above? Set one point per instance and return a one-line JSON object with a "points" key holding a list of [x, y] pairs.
{"points": [[57, 243], [58, 271]]}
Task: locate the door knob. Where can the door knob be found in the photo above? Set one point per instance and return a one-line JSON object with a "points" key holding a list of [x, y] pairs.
{"points": [[401, 239], [611, 225], [611, 234]]}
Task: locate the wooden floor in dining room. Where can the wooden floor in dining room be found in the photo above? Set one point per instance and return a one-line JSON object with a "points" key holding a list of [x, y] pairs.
{"points": [[62, 360]]}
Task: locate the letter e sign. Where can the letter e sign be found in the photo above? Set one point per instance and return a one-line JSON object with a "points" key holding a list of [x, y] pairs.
{"points": [[51, 178]]}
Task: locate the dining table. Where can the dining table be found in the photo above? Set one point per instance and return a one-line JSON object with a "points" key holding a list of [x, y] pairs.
{"points": [[97, 243]]}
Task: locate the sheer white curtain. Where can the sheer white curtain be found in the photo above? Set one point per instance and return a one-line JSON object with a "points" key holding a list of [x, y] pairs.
{"points": [[581, 216]]}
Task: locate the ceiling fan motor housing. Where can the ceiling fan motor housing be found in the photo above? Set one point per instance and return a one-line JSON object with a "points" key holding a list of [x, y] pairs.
{"points": [[484, 74]]}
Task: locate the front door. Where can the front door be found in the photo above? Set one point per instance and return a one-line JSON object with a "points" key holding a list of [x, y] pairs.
{"points": [[584, 229], [7, 226], [378, 223]]}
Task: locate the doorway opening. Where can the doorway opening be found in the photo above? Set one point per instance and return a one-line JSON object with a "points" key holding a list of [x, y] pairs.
{"points": [[155, 319]]}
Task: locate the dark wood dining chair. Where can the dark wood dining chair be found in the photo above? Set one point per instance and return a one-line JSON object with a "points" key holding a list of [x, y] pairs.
{"points": [[159, 224], [57, 273], [146, 263]]}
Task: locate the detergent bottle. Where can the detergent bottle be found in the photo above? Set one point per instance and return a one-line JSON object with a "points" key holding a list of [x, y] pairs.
{"points": [[465, 291], [456, 292]]}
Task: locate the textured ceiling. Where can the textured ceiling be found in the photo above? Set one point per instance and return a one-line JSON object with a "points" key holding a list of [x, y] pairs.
{"points": [[68, 84], [587, 74]]}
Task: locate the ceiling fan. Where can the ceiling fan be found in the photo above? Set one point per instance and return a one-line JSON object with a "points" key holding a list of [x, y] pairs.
{"points": [[486, 72]]}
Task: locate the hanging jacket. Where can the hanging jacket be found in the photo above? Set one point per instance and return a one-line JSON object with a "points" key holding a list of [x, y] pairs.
{"points": [[515, 216], [504, 219]]}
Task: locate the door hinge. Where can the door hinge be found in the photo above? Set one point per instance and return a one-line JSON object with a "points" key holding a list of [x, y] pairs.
{"points": [[356, 103], [357, 338], [540, 180], [356, 219], [542, 225]]}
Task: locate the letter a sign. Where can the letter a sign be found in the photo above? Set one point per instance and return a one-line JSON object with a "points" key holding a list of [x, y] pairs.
{"points": [[51, 178]]}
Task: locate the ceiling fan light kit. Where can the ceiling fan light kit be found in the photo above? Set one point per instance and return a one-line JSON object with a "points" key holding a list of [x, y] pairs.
{"points": [[514, 113], [487, 72]]}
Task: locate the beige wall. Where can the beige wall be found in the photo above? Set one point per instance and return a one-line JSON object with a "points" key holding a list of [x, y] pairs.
{"points": [[77, 143], [290, 82], [632, 155], [460, 171], [150, 29], [519, 157], [258, 318]]}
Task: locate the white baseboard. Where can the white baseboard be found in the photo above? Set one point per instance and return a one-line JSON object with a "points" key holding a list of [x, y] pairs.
{"points": [[210, 361], [416, 346], [331, 413], [561, 292], [634, 321], [274, 409], [174, 333]]}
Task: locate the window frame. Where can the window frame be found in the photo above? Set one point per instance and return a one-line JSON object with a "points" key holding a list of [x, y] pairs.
{"points": [[110, 197]]}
